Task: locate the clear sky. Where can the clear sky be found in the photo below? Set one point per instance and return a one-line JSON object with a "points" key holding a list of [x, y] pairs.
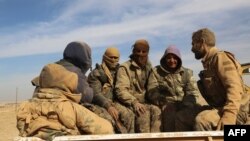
{"points": [[34, 33]]}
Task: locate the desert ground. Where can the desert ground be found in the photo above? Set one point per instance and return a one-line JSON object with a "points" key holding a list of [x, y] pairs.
{"points": [[8, 130]]}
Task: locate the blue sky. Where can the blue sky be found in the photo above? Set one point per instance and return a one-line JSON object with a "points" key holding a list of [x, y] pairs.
{"points": [[35, 32]]}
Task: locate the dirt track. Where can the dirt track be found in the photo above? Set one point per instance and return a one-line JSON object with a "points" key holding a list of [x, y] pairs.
{"points": [[8, 129]]}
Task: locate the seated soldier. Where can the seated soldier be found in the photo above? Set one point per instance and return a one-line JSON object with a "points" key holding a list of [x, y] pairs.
{"points": [[102, 80], [220, 84], [130, 89], [173, 88], [77, 58], [54, 109]]}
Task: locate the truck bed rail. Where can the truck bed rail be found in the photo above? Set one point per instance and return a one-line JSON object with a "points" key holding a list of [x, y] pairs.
{"points": [[169, 136]]}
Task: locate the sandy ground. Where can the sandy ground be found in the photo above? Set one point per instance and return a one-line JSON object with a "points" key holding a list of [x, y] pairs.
{"points": [[8, 130]]}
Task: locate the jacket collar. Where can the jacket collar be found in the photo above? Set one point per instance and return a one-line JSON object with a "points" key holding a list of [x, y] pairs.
{"points": [[181, 69], [209, 55]]}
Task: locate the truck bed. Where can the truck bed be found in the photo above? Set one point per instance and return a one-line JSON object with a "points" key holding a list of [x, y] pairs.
{"points": [[163, 136]]}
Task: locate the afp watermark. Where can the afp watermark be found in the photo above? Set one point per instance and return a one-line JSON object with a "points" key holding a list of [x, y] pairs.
{"points": [[239, 132]]}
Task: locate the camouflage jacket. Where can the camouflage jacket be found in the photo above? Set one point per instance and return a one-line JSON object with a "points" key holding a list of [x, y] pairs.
{"points": [[165, 87], [131, 82], [54, 109], [103, 91]]}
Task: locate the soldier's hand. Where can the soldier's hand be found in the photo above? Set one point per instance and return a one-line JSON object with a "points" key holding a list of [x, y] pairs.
{"points": [[220, 125], [227, 118], [139, 108], [113, 112]]}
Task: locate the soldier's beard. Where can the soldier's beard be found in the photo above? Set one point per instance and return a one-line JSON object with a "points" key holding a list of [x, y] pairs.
{"points": [[140, 60], [199, 53]]}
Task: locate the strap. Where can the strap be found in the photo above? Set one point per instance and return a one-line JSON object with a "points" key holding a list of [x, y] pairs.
{"points": [[185, 76]]}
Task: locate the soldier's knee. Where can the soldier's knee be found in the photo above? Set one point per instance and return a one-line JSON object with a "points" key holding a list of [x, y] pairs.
{"points": [[130, 113], [108, 129], [198, 119], [155, 109]]}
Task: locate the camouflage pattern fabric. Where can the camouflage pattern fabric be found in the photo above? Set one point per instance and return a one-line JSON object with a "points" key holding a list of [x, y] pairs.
{"points": [[149, 122], [48, 118], [130, 89], [104, 99], [126, 117], [54, 109], [176, 94]]}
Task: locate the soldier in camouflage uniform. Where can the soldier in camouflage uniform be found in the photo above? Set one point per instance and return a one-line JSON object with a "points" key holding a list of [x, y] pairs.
{"points": [[131, 88], [220, 84], [102, 80], [54, 109], [173, 88]]}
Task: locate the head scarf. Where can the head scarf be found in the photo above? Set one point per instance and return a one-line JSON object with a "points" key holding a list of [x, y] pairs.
{"points": [[140, 52], [111, 57]]}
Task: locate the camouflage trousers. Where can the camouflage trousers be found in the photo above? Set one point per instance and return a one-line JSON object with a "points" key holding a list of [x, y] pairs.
{"points": [[149, 121], [126, 117], [90, 123], [178, 118], [208, 120]]}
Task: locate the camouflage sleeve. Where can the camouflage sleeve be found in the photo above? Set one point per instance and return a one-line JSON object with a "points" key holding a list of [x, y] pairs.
{"points": [[96, 84], [153, 94], [191, 91], [122, 87], [230, 78]]}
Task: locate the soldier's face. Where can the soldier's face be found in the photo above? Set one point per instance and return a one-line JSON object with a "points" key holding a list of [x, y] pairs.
{"points": [[141, 55], [140, 51], [198, 49], [172, 61]]}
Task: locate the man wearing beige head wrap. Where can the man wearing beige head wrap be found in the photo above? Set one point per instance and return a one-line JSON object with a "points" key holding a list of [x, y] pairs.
{"points": [[132, 77], [102, 80]]}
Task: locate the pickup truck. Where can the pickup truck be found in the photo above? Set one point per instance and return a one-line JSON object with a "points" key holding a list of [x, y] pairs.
{"points": [[163, 136]]}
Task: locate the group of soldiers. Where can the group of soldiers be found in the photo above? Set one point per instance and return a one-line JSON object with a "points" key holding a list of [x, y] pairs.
{"points": [[135, 97]]}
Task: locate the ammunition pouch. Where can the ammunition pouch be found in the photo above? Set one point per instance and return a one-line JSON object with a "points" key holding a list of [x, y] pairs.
{"points": [[211, 89]]}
